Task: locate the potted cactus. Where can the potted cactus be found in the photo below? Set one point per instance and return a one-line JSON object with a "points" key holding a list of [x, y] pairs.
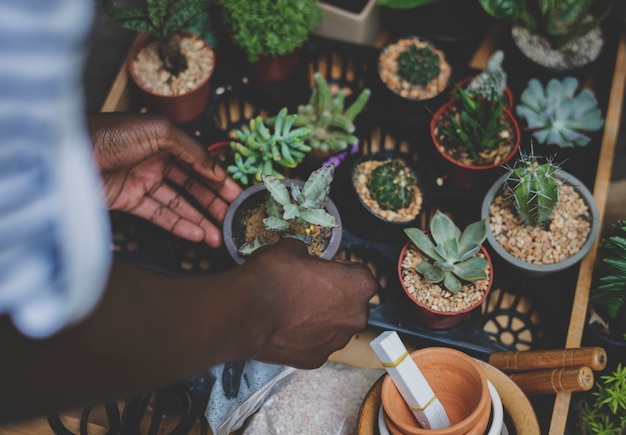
{"points": [[173, 67], [446, 273], [474, 132], [541, 218], [492, 80], [276, 208], [413, 69]]}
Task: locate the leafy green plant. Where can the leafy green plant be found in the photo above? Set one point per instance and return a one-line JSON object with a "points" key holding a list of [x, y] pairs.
{"points": [[605, 412], [160, 19], [560, 21], [418, 65], [609, 296], [258, 150], [297, 206], [557, 115], [270, 27], [453, 253], [392, 185], [331, 123], [534, 188]]}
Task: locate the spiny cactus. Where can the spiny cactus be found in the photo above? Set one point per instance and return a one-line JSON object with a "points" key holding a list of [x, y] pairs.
{"points": [[418, 65], [492, 80], [258, 151], [556, 115], [331, 124], [454, 255], [534, 189], [392, 185]]}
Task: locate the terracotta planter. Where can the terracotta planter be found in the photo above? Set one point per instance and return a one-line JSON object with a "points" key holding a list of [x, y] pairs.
{"points": [[458, 382], [435, 319], [466, 176], [272, 69], [234, 230], [532, 269], [181, 108]]}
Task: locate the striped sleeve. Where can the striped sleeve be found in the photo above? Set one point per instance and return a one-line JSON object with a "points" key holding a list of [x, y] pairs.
{"points": [[54, 228]]}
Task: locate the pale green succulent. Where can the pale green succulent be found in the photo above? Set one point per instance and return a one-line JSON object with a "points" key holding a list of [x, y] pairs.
{"points": [[557, 115], [453, 253]]}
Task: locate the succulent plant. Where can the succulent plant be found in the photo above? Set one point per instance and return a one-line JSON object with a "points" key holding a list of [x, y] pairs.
{"points": [[534, 188], [418, 65], [392, 185], [258, 150], [492, 80], [453, 253], [557, 115], [331, 124]]}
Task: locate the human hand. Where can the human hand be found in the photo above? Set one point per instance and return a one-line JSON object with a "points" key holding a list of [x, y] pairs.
{"points": [[313, 306], [139, 156]]}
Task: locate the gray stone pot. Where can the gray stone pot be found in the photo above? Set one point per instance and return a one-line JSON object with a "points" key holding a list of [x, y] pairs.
{"points": [[535, 270]]}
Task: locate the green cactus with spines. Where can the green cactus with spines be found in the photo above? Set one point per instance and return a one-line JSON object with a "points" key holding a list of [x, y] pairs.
{"points": [[418, 65], [534, 188], [492, 80], [331, 123], [392, 185], [453, 252], [259, 150]]}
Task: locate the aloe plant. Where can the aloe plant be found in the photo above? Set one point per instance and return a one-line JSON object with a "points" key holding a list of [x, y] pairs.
{"points": [[453, 252], [331, 123], [557, 115], [258, 150], [534, 188]]}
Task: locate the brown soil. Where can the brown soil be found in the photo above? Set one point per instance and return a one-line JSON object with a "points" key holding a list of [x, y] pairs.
{"points": [[388, 71], [563, 237], [253, 223], [148, 68], [360, 179], [458, 152], [434, 295]]}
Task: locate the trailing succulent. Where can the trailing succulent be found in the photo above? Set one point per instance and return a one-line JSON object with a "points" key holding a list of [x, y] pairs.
{"points": [[258, 150], [453, 253], [534, 189], [392, 185], [331, 124], [418, 65], [560, 21], [609, 296], [160, 19], [304, 206], [557, 115]]}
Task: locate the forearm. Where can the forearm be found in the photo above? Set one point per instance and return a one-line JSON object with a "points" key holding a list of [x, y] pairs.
{"points": [[148, 331]]}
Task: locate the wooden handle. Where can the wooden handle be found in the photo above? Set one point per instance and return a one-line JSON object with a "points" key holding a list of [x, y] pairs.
{"points": [[554, 380], [593, 357]]}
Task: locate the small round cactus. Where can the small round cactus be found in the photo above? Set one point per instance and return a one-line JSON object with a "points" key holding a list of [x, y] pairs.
{"points": [[392, 185], [418, 65]]}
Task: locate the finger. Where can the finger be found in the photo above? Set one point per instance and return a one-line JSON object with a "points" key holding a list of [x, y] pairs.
{"points": [[186, 150]]}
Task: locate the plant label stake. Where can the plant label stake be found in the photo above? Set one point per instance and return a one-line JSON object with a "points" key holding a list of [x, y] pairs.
{"points": [[410, 381]]}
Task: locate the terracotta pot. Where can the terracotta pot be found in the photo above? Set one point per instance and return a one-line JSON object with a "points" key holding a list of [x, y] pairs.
{"points": [[179, 108], [252, 197], [441, 320], [464, 176], [458, 382], [272, 69]]}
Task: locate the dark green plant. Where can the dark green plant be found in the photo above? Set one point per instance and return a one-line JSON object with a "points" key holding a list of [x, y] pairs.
{"points": [[609, 296], [453, 253], [534, 189], [478, 123], [258, 150], [392, 185], [604, 413], [418, 65], [331, 124], [557, 115], [560, 21], [160, 19], [270, 27]]}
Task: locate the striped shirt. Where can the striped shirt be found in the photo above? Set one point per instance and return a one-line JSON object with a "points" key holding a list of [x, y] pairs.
{"points": [[54, 228]]}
